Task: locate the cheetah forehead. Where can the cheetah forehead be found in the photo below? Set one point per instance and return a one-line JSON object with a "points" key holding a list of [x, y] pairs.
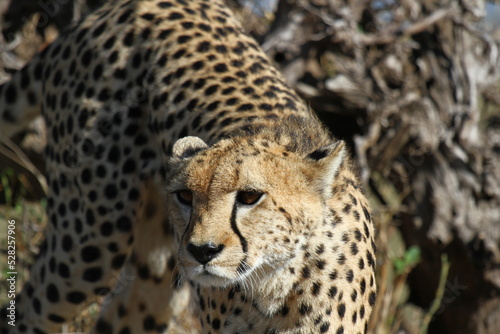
{"points": [[237, 164], [223, 166]]}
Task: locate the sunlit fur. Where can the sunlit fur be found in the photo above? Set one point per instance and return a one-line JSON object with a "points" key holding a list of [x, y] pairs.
{"points": [[295, 215]]}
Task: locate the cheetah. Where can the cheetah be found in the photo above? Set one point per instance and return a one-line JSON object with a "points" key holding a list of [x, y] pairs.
{"points": [[189, 185]]}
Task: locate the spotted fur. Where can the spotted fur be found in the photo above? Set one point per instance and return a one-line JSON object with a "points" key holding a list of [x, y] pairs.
{"points": [[258, 225]]}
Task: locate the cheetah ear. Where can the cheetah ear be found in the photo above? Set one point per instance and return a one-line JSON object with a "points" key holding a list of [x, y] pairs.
{"points": [[186, 147], [327, 161]]}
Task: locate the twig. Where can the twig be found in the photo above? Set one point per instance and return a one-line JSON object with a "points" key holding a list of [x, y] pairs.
{"points": [[431, 20], [12, 152], [388, 36], [485, 37], [445, 268]]}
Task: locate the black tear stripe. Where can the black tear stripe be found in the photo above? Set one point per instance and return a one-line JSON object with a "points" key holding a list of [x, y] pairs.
{"points": [[186, 230], [244, 244]]}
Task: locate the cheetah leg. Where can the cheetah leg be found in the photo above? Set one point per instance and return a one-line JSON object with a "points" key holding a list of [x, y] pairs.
{"points": [[148, 295], [88, 239]]}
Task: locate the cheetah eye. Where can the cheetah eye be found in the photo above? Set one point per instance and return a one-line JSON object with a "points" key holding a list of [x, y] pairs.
{"points": [[248, 197], [185, 197]]}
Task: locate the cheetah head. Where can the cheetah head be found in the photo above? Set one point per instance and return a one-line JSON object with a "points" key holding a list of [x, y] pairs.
{"points": [[242, 208]]}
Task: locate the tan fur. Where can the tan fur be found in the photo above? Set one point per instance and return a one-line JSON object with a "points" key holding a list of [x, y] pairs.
{"points": [[117, 91], [283, 230]]}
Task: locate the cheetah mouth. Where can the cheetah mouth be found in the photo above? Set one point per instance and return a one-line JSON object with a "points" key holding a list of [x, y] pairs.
{"points": [[223, 276], [210, 276], [215, 275]]}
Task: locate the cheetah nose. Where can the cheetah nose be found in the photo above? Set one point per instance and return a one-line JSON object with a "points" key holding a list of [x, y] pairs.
{"points": [[205, 253]]}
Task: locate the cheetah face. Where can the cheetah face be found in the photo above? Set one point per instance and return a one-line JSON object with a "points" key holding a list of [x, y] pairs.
{"points": [[242, 209]]}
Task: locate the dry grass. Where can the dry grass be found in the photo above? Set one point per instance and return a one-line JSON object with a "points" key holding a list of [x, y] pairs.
{"points": [[393, 313]]}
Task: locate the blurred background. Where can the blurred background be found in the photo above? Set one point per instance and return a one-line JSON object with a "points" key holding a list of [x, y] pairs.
{"points": [[413, 86]]}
